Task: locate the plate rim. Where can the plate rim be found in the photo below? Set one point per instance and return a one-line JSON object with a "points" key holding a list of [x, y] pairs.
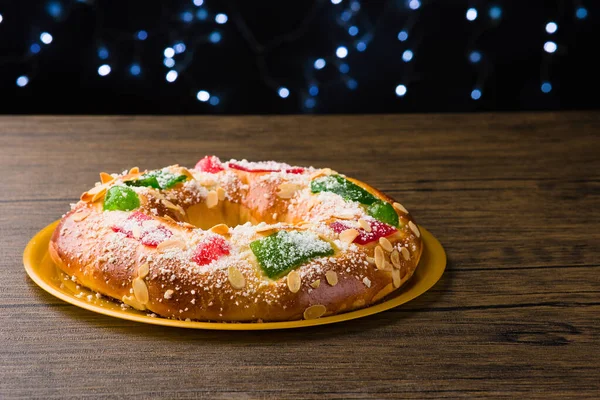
{"points": [[45, 233]]}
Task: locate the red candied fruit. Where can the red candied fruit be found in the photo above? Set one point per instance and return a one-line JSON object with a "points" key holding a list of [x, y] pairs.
{"points": [[210, 250], [155, 236], [210, 164], [378, 230], [150, 237], [288, 170]]}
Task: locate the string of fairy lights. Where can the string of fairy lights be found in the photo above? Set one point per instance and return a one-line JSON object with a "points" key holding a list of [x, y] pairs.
{"points": [[360, 30]]}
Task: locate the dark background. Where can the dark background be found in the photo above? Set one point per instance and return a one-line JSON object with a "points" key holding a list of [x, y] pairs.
{"points": [[267, 45]]}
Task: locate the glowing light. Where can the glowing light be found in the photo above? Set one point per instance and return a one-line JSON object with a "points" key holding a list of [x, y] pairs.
{"points": [[104, 70], [103, 53], [179, 48], [142, 35], [310, 103], [407, 55], [341, 52], [546, 87], [336, 1], [214, 100], [198, 3], [283, 92], [135, 69], [215, 37], [353, 31], [221, 18], [46, 38], [187, 16], [344, 68], [550, 47], [22, 81], [313, 90], [169, 52], [54, 8], [203, 96], [35, 48], [171, 76], [319, 63], [476, 94], [400, 90], [1, 18], [346, 15], [169, 62], [402, 36], [361, 46], [581, 12], [352, 84], [551, 27], [495, 12], [414, 4], [355, 6], [472, 14], [475, 57], [201, 14]]}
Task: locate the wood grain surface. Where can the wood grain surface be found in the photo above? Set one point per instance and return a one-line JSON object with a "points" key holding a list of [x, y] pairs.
{"points": [[513, 198]]}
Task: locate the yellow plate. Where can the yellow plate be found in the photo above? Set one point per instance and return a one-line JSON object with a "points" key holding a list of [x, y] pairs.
{"points": [[45, 274]]}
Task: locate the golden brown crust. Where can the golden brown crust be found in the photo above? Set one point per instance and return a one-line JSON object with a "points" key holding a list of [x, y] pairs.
{"points": [[164, 281]]}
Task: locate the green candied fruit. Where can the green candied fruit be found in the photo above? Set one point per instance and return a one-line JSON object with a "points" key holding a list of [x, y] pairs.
{"points": [[283, 251], [145, 180], [343, 187], [158, 180], [383, 212], [121, 198]]}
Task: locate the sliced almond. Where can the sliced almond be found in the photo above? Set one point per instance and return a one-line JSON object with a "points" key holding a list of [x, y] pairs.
{"points": [[81, 215], [186, 172], [345, 216], [287, 190], [93, 194], [364, 224], [370, 260], [315, 311], [379, 258], [212, 199], [220, 229], [316, 284], [208, 182], [133, 302], [221, 193], [405, 253], [136, 231], [400, 207], [143, 270], [387, 266], [106, 178], [387, 246], [395, 257], [321, 172], [173, 207], [348, 235], [169, 244], [396, 280], [331, 277], [414, 228], [140, 290], [236, 278], [294, 281], [99, 195]]}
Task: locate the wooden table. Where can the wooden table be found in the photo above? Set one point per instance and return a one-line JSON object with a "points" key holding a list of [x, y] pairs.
{"points": [[514, 198]]}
